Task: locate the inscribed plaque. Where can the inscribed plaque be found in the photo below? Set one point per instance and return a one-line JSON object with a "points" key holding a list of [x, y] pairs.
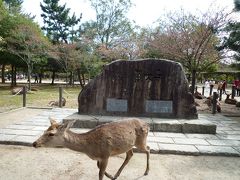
{"points": [[154, 106], [117, 105]]}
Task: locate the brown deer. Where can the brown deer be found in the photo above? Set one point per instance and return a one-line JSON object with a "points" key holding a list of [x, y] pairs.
{"points": [[101, 142], [56, 103]]}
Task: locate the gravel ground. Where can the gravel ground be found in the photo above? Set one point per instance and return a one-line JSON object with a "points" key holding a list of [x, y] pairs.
{"points": [[18, 162]]}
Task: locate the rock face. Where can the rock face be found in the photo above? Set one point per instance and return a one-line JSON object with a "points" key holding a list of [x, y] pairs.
{"points": [[147, 87]]}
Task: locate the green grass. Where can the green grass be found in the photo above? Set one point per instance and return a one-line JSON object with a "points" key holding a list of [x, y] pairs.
{"points": [[40, 98]]}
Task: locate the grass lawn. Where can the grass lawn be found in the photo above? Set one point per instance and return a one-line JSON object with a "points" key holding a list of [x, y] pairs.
{"points": [[40, 98]]}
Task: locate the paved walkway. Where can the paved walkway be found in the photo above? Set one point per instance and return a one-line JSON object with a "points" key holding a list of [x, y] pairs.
{"points": [[226, 142]]}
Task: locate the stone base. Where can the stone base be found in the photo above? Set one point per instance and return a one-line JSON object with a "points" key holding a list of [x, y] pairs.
{"points": [[199, 126], [156, 124]]}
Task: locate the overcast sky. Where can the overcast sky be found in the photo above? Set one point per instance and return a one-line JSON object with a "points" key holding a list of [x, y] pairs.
{"points": [[144, 13]]}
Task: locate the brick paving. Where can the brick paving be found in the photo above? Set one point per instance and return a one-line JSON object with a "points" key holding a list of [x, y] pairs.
{"points": [[225, 142]]}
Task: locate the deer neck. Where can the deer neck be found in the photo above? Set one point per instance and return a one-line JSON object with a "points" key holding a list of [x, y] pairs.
{"points": [[74, 141]]}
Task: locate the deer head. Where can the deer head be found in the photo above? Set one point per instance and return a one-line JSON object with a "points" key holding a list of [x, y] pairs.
{"points": [[54, 135]]}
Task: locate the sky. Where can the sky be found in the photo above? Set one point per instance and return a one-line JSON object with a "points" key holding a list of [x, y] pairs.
{"points": [[144, 12]]}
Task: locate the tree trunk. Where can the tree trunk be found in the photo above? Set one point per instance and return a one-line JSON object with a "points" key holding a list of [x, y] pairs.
{"points": [[194, 72], [53, 76], [29, 77], [83, 79], [14, 76], [40, 76], [66, 79], [82, 83], [3, 73], [71, 78]]}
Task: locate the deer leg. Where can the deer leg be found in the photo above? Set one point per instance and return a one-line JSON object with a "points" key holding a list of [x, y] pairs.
{"points": [[147, 151], [129, 154], [106, 174], [102, 167]]}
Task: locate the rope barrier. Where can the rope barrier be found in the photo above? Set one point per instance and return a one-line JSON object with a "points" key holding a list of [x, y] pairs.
{"points": [[17, 92], [67, 93]]}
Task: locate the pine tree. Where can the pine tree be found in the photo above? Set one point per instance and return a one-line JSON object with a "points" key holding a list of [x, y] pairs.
{"points": [[233, 40], [14, 6], [237, 4], [58, 24]]}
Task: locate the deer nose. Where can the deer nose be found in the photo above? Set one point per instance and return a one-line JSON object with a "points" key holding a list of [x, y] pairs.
{"points": [[34, 144]]}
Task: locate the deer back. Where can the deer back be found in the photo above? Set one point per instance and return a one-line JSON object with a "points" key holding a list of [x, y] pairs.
{"points": [[117, 137]]}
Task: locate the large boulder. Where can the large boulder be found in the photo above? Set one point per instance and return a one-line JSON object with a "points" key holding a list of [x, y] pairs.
{"points": [[147, 87]]}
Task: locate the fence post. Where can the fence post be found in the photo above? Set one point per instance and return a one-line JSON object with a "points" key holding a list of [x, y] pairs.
{"points": [[24, 96], [203, 90], [214, 103], [60, 96]]}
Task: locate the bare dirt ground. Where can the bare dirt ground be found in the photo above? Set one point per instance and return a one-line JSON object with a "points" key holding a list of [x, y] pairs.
{"points": [[227, 109], [19, 162]]}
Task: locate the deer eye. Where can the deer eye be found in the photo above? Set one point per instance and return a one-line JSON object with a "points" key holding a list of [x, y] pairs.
{"points": [[50, 134]]}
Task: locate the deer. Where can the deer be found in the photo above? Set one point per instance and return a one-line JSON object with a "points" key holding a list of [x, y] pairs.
{"points": [[56, 103], [101, 142]]}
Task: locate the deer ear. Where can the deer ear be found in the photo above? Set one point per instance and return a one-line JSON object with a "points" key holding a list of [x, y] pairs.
{"points": [[53, 122], [68, 124]]}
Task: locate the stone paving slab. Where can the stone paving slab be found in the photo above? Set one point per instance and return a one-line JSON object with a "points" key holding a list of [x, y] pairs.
{"points": [[6, 137], [217, 150], [19, 126], [226, 142], [178, 149], [202, 136], [22, 140], [154, 147], [170, 135], [223, 142], [237, 148], [19, 132], [160, 139], [190, 141], [227, 136]]}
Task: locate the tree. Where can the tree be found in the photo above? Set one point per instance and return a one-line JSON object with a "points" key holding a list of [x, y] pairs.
{"points": [[232, 40], [188, 39], [2, 15], [28, 43], [128, 47], [68, 54], [237, 5], [13, 6], [111, 22], [7, 22], [59, 26]]}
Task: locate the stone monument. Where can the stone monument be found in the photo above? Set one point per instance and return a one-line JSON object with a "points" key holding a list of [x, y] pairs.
{"points": [[147, 87]]}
